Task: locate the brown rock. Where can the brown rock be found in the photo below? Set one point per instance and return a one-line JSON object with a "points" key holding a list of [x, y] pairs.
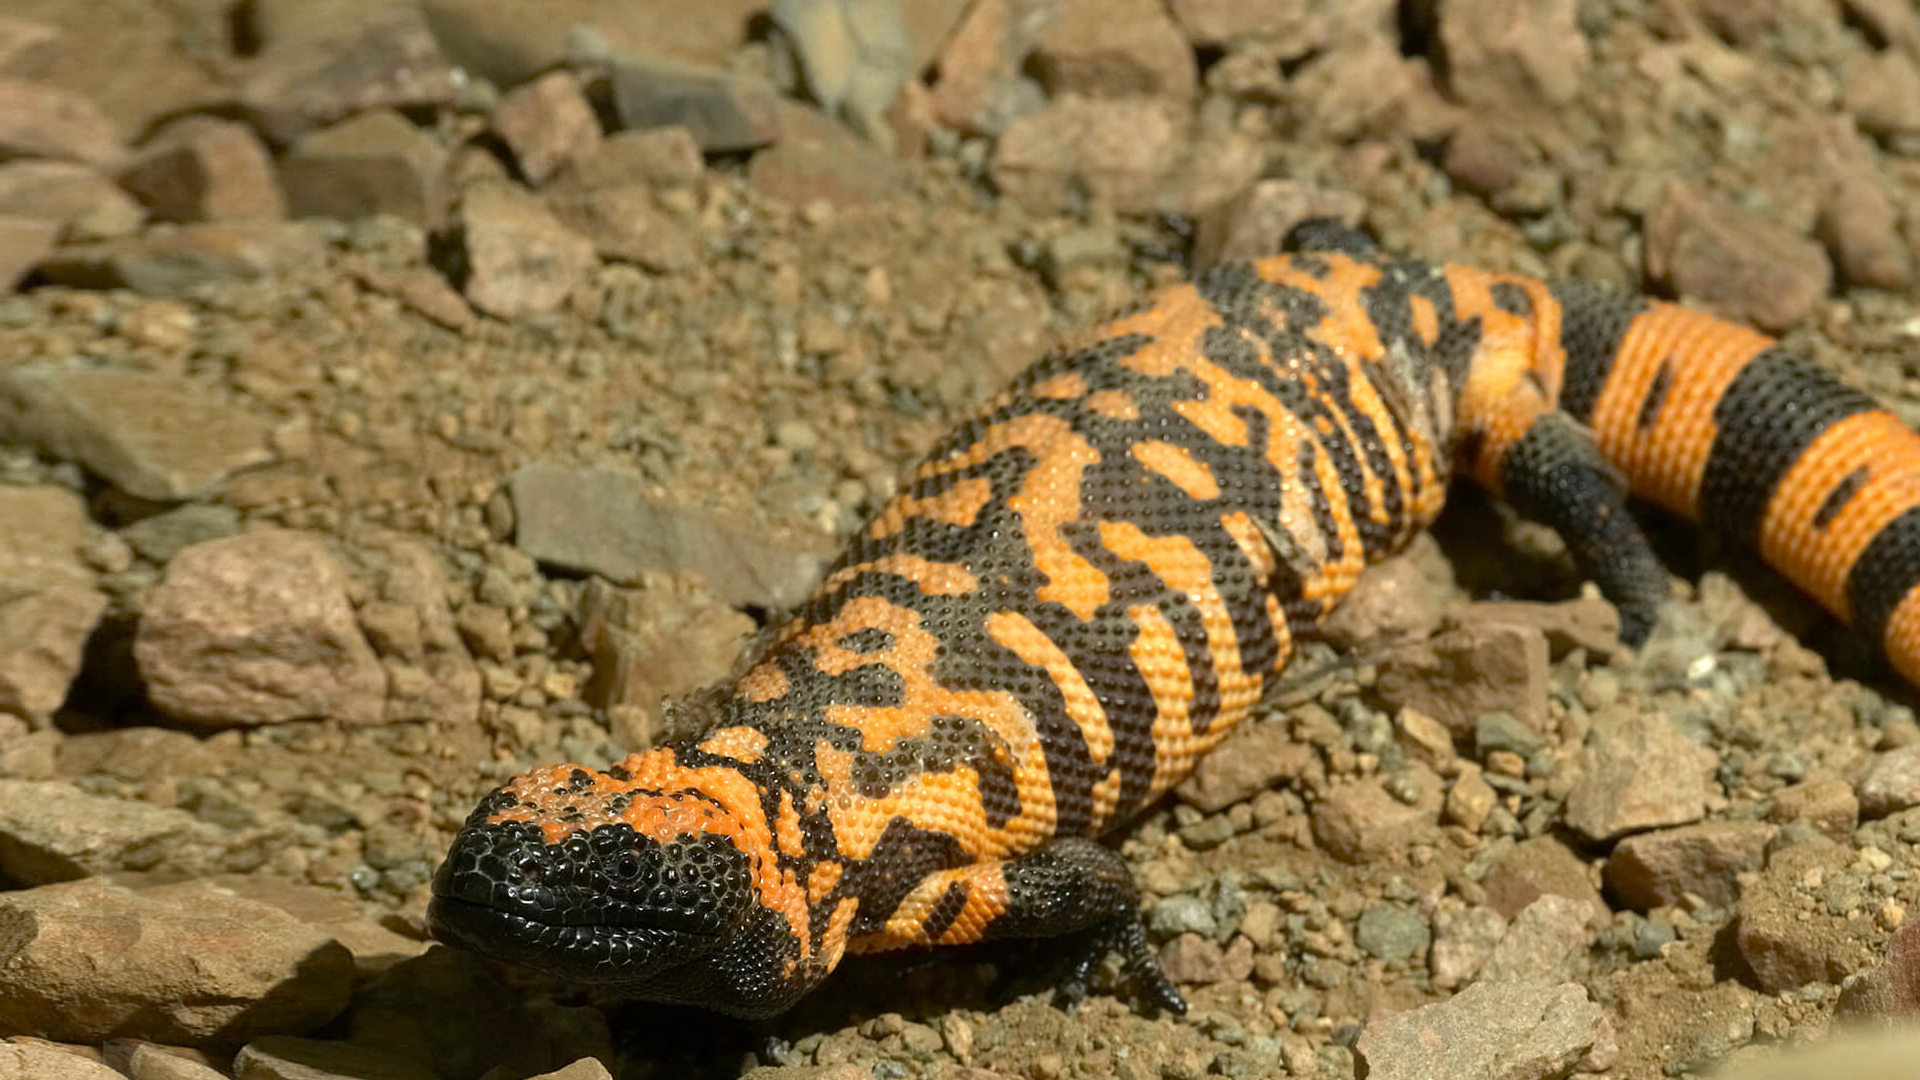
{"points": [[1639, 773], [23, 243], [47, 535], [1884, 94], [1893, 21], [1360, 821], [43, 1061], [1463, 939], [1253, 225], [156, 436], [724, 113], [975, 91], [1891, 783], [511, 43], [519, 259], [1399, 598], [1661, 868], [374, 163], [1732, 260], [430, 675], [81, 202], [1118, 150], [1515, 57], [1222, 22], [190, 963], [43, 636], [627, 226], [422, 290], [1478, 667], [52, 831], [1508, 1030], [142, 1060], [658, 644], [281, 1057], [1471, 799], [169, 261], [1827, 803], [1540, 867], [1104, 48], [1192, 960], [1545, 944], [853, 58], [1860, 224], [1788, 932], [546, 123], [1890, 991], [39, 121], [199, 168], [257, 629], [665, 157], [1588, 623], [27, 49], [312, 81], [817, 159], [1254, 758]]}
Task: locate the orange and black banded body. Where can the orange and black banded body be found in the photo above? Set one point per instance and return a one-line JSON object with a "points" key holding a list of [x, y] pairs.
{"points": [[1084, 587]]}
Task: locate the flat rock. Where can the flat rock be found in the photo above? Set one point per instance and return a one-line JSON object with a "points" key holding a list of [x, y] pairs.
{"points": [[422, 290], [1825, 802], [659, 644], [373, 163], [257, 629], [663, 157], [546, 123], [139, 1059], [157, 436], [40, 121], [190, 963], [1361, 820], [47, 534], [201, 168], [1588, 623], [724, 113], [1513, 1031], [85, 204], [1639, 772], [818, 159], [1114, 48], [626, 225], [1794, 925], [1891, 783], [24, 242], [1655, 869], [1545, 944], [1254, 758], [34, 1061], [853, 56], [52, 831], [172, 261], [600, 520], [1503, 57], [1478, 667], [1119, 150], [284, 1057], [1732, 260], [1542, 866], [43, 638], [511, 43], [312, 81], [519, 259]]}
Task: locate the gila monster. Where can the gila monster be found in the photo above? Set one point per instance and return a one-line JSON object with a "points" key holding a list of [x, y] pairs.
{"points": [[1085, 586]]}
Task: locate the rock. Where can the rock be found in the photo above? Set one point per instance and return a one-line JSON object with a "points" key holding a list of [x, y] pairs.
{"points": [[511, 43], [1883, 94], [600, 520], [43, 636], [315, 80], [1464, 938], [374, 163], [1360, 821], [1732, 260], [38, 1061], [199, 168], [1514, 1031], [626, 226], [1102, 48], [23, 243], [1539, 867], [138, 1059], [257, 629], [1660, 868], [1892, 21], [1391, 932], [1471, 799], [40, 121], [1827, 803], [1789, 928], [1890, 991], [584, 1069], [51, 831], [1424, 738], [1118, 150], [1891, 783], [660, 644], [422, 290], [174, 261], [1223, 22], [853, 57], [1255, 757], [282, 1057], [47, 535], [1478, 667], [430, 675], [27, 49], [1192, 960], [1639, 773], [84, 204], [1519, 58], [665, 157], [979, 86], [162, 536], [1252, 226], [724, 113], [445, 1007], [518, 259], [1546, 944], [1859, 221], [817, 159], [1588, 623], [159, 437], [546, 123]]}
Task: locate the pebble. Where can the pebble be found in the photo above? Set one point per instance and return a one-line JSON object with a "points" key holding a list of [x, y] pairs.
{"points": [[1827, 803], [82, 203], [1253, 226], [1463, 939], [724, 113], [1545, 944], [1503, 60], [817, 161], [1733, 261], [373, 163], [1588, 623], [626, 225], [520, 259], [1860, 220], [1476, 668], [1660, 868], [41, 121], [257, 629], [156, 436], [853, 55], [1539, 867], [1639, 772], [1362, 820], [1470, 800], [656, 644], [547, 123], [1516, 1031], [1256, 757], [1390, 932], [200, 168], [1119, 150], [664, 158], [1891, 783]]}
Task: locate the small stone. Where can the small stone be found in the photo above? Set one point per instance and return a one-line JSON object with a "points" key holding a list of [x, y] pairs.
{"points": [[1588, 623], [1476, 668], [159, 437], [648, 648], [1732, 260], [1539, 867], [600, 520], [662, 157], [1470, 800], [1114, 48], [546, 123], [1786, 936], [1119, 150], [311, 81], [854, 57], [1891, 784], [1503, 58], [162, 536], [1516, 1031], [1255, 757], [487, 631], [519, 259], [1193, 960], [84, 204], [171, 261], [1390, 932], [626, 226], [724, 113], [284, 1057], [1657, 869], [817, 159], [37, 1061], [257, 629], [1860, 222], [1827, 803], [1463, 940], [1424, 739], [1253, 226], [1545, 944], [979, 88], [1639, 772], [423, 291], [51, 831], [374, 163], [1883, 94], [24, 242], [43, 638], [1362, 820], [41, 121], [200, 168]]}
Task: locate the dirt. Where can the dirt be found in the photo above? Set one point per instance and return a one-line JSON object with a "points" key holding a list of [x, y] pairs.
{"points": [[803, 356]]}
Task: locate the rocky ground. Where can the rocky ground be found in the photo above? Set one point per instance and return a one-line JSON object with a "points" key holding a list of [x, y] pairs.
{"points": [[396, 396]]}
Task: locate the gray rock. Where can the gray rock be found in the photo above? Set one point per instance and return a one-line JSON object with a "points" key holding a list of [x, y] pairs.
{"points": [[724, 113], [175, 261], [1547, 943], [1639, 772], [373, 163], [1392, 932], [162, 536], [1509, 1031]]}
